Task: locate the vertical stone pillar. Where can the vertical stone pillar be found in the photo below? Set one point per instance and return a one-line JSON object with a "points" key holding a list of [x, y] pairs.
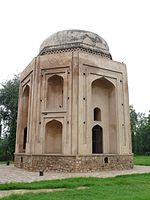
{"points": [[74, 100]]}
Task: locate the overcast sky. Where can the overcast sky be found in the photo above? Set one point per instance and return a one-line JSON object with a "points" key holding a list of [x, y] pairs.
{"points": [[124, 24]]}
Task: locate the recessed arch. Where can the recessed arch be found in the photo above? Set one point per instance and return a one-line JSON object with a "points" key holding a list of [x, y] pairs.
{"points": [[53, 137], [24, 119], [25, 103], [97, 139], [104, 97], [97, 114], [55, 92]]}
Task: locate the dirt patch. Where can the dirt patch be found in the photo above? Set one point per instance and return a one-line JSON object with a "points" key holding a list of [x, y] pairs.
{"points": [[9, 192]]}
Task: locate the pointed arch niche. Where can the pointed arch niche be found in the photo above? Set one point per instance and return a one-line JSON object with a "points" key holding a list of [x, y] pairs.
{"points": [[104, 106], [55, 92], [24, 119], [53, 137], [97, 114]]}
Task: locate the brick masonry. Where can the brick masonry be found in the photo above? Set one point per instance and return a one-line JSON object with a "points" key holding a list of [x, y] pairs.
{"points": [[69, 163]]}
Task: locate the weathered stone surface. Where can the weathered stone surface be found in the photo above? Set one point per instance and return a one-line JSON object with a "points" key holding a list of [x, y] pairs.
{"points": [[75, 38], [82, 163]]}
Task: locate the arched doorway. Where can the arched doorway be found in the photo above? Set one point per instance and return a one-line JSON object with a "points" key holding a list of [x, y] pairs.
{"points": [[97, 139], [25, 138], [53, 137]]}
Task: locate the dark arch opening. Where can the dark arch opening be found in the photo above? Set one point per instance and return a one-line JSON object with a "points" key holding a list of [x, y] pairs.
{"points": [[97, 139], [106, 159], [25, 138], [97, 114]]}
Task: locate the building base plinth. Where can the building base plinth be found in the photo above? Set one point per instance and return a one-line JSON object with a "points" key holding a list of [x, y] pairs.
{"points": [[70, 163]]}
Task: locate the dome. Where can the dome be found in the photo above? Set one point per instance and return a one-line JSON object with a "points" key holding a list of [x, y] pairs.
{"points": [[74, 39]]}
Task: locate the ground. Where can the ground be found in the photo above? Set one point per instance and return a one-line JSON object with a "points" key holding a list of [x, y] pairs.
{"points": [[131, 186], [127, 187], [13, 174]]}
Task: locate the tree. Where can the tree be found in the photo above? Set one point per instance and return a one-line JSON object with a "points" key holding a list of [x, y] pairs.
{"points": [[133, 123], [146, 136], [140, 130], [8, 115], [139, 136]]}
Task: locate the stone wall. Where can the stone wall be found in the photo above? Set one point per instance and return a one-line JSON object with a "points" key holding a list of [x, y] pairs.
{"points": [[80, 163]]}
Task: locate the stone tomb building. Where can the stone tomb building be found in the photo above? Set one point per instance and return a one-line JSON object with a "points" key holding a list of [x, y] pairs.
{"points": [[73, 113]]}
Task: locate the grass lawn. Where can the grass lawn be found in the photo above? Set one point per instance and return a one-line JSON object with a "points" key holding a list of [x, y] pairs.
{"points": [[142, 160], [4, 162], [129, 187]]}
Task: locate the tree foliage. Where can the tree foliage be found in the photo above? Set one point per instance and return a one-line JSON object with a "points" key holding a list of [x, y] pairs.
{"points": [[133, 123], [8, 116], [140, 129]]}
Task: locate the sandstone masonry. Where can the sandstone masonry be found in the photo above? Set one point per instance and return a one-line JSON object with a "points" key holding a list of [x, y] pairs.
{"points": [[59, 163], [73, 112]]}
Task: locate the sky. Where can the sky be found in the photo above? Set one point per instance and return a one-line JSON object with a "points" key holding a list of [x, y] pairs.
{"points": [[124, 24]]}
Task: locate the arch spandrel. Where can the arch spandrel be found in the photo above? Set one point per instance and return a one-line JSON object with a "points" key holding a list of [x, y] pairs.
{"points": [[108, 81]]}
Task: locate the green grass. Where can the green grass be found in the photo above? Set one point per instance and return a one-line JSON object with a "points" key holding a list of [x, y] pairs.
{"points": [[129, 187], [142, 160], [60, 183], [4, 162]]}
